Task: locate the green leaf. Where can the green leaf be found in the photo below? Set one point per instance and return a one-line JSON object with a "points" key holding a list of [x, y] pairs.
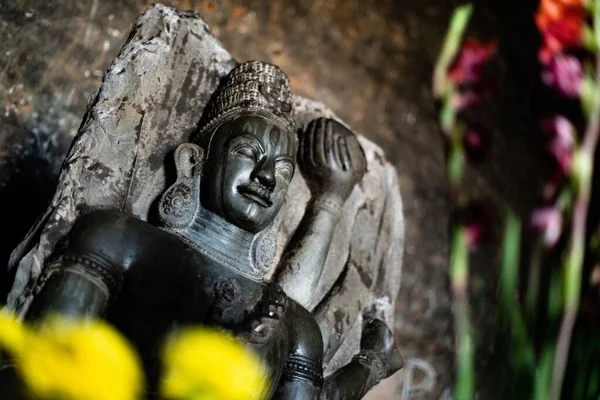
{"points": [[589, 39], [509, 269], [596, 11], [589, 91], [455, 164], [555, 295], [543, 373], [451, 46], [447, 113], [459, 257]]}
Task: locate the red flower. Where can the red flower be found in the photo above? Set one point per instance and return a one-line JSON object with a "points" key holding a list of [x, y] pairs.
{"points": [[470, 62], [561, 24]]}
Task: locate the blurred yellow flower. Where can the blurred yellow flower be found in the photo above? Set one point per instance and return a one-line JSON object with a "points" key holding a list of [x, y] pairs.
{"points": [[73, 360], [12, 332], [204, 363]]}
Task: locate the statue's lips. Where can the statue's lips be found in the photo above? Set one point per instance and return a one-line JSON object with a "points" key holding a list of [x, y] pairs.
{"points": [[257, 195]]}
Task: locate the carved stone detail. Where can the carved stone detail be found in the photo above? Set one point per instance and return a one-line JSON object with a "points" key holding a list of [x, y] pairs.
{"points": [[303, 368]]}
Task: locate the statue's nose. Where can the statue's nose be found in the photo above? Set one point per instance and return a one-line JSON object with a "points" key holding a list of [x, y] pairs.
{"points": [[265, 173]]}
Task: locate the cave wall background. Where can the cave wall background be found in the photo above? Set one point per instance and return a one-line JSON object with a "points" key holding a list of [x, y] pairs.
{"points": [[370, 61]]}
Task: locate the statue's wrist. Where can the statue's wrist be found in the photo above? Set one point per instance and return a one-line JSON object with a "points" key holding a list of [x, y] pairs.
{"points": [[373, 362], [330, 204]]}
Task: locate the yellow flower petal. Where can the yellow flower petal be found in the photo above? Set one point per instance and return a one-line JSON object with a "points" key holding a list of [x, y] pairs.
{"points": [[206, 362], [12, 332], [80, 361]]}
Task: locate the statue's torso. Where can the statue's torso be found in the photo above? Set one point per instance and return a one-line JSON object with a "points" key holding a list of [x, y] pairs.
{"points": [[169, 284]]}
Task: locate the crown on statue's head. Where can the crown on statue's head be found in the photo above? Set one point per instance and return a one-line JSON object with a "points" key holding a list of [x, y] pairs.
{"points": [[251, 88]]}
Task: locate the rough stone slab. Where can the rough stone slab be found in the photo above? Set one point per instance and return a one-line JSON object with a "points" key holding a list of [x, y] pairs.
{"points": [[151, 99]]}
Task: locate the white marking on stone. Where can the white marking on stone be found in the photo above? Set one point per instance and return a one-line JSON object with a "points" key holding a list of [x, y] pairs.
{"points": [[425, 385]]}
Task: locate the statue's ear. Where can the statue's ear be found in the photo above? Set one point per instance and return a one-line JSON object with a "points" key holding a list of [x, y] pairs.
{"points": [[189, 159], [178, 205]]}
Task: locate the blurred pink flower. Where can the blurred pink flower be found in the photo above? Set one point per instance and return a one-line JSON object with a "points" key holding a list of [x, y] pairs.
{"points": [[470, 62], [477, 219], [561, 133], [477, 143], [564, 73], [466, 99], [548, 221]]}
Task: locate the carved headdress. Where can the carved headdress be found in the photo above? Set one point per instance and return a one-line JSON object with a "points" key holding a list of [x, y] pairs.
{"points": [[251, 88]]}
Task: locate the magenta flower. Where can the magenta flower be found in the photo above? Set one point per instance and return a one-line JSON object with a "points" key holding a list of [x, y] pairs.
{"points": [[466, 99], [561, 133], [548, 221], [561, 144], [477, 218], [564, 73], [476, 141]]}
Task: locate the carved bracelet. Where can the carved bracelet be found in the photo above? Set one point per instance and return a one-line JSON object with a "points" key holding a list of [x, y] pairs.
{"points": [[329, 206], [301, 368], [373, 361]]}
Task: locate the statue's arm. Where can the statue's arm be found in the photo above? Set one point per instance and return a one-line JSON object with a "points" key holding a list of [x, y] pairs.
{"points": [[302, 377], [332, 162], [304, 258], [87, 272], [378, 359]]}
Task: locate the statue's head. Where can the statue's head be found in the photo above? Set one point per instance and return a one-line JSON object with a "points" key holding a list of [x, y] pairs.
{"points": [[249, 141]]}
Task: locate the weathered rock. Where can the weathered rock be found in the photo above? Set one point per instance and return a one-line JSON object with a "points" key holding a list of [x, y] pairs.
{"points": [[151, 99]]}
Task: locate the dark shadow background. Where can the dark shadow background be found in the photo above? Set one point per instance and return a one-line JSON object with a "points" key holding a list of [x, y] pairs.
{"points": [[370, 61]]}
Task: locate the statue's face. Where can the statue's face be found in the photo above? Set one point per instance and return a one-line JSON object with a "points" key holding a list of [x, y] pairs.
{"points": [[246, 176]]}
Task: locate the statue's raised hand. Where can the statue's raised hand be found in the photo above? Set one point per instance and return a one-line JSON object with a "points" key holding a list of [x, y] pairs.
{"points": [[331, 160]]}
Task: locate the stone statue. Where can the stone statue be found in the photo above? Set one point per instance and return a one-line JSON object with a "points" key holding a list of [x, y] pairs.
{"points": [[205, 247], [208, 263]]}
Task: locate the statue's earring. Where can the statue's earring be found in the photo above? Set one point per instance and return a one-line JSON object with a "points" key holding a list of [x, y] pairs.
{"points": [[179, 204], [264, 247]]}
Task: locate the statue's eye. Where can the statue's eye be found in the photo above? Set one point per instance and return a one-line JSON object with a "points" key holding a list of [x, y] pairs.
{"points": [[285, 171], [246, 151]]}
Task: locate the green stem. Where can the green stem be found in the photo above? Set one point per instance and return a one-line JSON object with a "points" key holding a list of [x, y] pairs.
{"points": [[543, 374], [523, 355], [452, 42], [533, 280], [455, 164], [459, 275], [511, 248], [583, 167]]}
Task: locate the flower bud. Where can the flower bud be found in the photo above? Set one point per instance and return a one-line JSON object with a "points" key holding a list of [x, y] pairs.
{"points": [[548, 221]]}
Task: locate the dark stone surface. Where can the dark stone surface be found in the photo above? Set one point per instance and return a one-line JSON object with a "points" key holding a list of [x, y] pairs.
{"points": [[370, 62]]}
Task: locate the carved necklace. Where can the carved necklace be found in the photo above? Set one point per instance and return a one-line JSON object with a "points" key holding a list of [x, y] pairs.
{"points": [[248, 254]]}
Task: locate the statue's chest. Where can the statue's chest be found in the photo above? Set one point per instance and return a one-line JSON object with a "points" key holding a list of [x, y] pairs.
{"points": [[171, 285], [173, 282]]}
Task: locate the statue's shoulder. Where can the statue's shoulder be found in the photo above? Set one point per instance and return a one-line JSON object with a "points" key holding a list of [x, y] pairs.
{"points": [[115, 235], [107, 222]]}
